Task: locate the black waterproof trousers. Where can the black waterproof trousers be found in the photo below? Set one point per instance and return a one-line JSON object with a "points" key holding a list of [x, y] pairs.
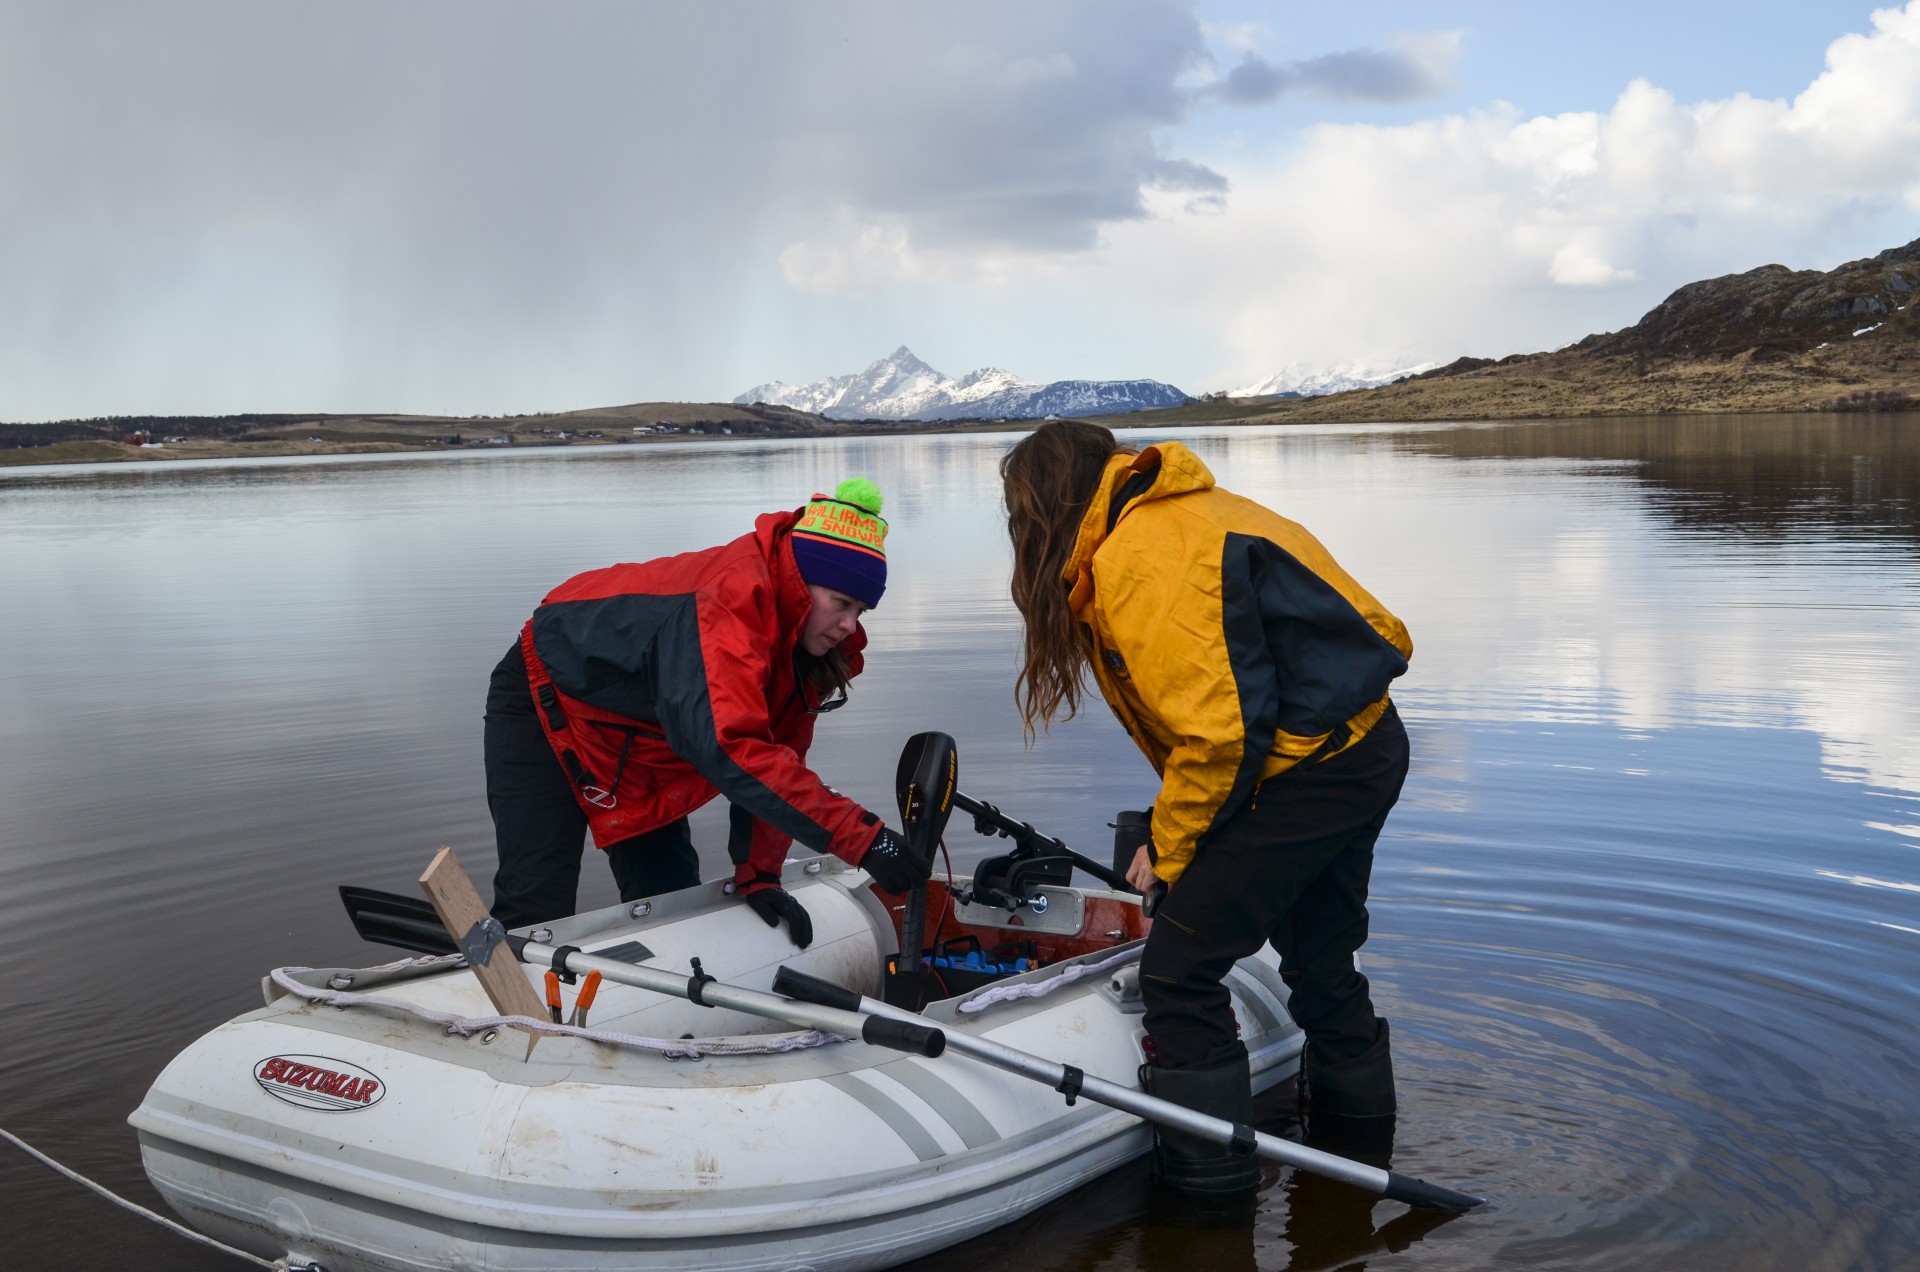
{"points": [[1289, 869], [538, 827]]}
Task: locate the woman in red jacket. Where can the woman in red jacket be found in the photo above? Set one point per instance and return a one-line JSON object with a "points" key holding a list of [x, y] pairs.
{"points": [[637, 693]]}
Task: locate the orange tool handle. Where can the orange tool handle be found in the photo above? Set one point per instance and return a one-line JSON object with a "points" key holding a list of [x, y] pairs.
{"points": [[588, 988], [553, 995]]}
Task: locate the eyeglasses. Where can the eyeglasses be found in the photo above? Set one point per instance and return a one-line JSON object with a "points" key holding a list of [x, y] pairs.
{"points": [[834, 703]]}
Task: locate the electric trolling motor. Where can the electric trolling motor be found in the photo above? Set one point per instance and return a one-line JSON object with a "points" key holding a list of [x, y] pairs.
{"points": [[924, 786]]}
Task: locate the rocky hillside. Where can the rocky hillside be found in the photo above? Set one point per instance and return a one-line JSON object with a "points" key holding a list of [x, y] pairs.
{"points": [[1769, 313], [1771, 339]]}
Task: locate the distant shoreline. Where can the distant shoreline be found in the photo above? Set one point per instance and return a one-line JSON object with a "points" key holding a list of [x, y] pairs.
{"points": [[1497, 394], [179, 439]]}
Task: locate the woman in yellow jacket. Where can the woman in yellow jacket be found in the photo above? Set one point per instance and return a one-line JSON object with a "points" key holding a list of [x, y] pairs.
{"points": [[1252, 671]]}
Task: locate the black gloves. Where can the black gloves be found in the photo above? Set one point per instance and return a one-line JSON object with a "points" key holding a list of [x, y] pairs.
{"points": [[773, 903], [892, 865]]}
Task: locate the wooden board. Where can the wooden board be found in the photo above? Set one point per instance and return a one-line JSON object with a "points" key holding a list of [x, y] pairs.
{"points": [[459, 907]]}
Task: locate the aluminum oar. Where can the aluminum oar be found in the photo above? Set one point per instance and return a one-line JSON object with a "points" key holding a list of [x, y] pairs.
{"points": [[911, 1034], [410, 923], [1072, 1082]]}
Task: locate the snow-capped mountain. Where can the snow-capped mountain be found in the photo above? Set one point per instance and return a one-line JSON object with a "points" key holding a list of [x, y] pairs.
{"points": [[1299, 379], [901, 387], [893, 388]]}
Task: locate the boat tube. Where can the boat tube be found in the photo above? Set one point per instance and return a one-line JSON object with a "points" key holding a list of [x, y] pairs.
{"points": [[386, 1118]]}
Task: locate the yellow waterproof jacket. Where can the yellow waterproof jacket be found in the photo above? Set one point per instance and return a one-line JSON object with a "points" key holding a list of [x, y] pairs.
{"points": [[1226, 639]]}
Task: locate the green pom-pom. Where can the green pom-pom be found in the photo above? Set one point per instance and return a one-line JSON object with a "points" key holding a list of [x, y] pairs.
{"points": [[858, 490]]}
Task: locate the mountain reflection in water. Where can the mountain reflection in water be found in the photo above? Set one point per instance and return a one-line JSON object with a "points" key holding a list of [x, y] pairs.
{"points": [[1647, 920]]}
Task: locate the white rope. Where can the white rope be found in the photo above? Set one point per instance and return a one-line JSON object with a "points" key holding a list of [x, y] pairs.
{"points": [[1010, 991], [467, 1026], [278, 1265], [425, 960]]}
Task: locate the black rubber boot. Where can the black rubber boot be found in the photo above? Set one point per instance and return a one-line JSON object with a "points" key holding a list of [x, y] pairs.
{"points": [[1358, 1087], [1194, 1165]]}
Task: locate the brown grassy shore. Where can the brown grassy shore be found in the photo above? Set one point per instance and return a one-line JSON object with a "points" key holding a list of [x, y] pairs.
{"points": [[1874, 372], [228, 437]]}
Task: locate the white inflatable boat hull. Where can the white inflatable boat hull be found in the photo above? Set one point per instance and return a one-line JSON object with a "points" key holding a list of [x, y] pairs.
{"points": [[361, 1138]]}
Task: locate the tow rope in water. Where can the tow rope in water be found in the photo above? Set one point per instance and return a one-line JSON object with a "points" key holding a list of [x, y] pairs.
{"points": [[278, 1265]]}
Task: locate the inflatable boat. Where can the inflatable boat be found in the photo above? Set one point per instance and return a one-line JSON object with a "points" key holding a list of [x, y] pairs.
{"points": [[383, 1117]]}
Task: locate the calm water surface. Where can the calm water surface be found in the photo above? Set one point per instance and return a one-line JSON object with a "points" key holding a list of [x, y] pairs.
{"points": [[1647, 920]]}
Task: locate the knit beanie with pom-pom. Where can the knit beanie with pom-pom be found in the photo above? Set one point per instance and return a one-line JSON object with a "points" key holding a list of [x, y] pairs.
{"points": [[840, 541]]}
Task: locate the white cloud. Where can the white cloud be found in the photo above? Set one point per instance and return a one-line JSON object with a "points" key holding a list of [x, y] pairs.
{"points": [[1244, 36], [1580, 264], [858, 257], [481, 205], [827, 269], [218, 205], [1492, 232]]}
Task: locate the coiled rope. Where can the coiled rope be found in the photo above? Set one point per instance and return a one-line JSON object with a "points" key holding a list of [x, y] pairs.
{"points": [[1010, 991], [467, 1026], [278, 1265]]}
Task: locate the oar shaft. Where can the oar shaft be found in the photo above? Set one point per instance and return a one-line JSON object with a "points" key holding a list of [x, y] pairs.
{"points": [[1165, 1112], [1061, 1077], [913, 1034]]}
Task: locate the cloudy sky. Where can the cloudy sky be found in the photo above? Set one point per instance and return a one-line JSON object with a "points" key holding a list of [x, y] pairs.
{"points": [[477, 206]]}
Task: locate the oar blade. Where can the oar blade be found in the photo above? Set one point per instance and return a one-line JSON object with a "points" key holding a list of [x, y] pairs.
{"points": [[1425, 1196], [388, 918]]}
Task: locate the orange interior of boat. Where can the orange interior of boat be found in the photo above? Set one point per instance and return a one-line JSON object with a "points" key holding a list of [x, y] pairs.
{"points": [[1108, 923]]}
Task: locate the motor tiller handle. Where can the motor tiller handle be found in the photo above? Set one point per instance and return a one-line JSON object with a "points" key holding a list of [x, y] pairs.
{"points": [[990, 820]]}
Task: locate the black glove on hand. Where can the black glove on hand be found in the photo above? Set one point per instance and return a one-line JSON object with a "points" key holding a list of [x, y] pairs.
{"points": [[892, 865], [774, 903]]}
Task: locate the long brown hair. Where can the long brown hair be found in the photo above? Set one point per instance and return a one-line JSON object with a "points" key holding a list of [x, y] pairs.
{"points": [[1050, 478], [826, 674]]}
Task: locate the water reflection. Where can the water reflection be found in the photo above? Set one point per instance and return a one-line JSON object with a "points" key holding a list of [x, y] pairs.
{"points": [[1786, 476], [1646, 920], [1630, 572]]}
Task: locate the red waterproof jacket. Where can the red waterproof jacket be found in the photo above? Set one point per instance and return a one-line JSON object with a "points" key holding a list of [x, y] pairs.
{"points": [[662, 684]]}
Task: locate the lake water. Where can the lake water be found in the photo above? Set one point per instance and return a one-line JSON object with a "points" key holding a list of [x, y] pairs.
{"points": [[1647, 919]]}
